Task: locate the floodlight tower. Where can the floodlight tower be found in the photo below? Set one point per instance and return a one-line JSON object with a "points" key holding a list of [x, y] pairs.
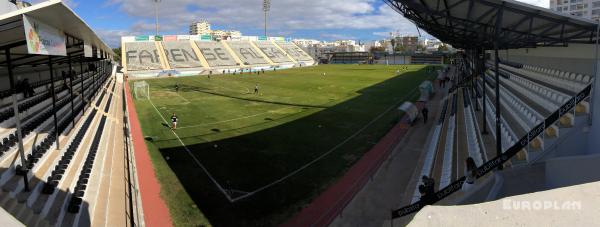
{"points": [[266, 8], [156, 13]]}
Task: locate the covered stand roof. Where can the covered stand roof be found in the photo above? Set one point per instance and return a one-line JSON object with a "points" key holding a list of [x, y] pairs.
{"points": [[471, 24], [56, 14]]}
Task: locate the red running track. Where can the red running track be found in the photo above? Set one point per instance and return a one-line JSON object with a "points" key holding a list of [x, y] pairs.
{"points": [[323, 210], [156, 212]]}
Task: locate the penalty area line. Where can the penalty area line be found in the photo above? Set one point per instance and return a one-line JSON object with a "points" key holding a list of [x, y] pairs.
{"points": [[194, 157]]}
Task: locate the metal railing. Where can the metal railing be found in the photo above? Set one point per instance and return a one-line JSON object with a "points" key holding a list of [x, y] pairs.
{"points": [[498, 160], [134, 212]]}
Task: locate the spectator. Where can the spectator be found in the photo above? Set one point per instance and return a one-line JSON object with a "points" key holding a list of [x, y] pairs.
{"points": [[426, 197], [27, 89], [65, 83], [425, 112], [470, 172], [429, 184]]}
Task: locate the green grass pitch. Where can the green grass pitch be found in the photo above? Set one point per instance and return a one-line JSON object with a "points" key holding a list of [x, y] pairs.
{"points": [[247, 140]]}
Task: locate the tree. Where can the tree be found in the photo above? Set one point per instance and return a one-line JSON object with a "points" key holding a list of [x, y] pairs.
{"points": [[375, 49], [117, 53], [400, 48]]}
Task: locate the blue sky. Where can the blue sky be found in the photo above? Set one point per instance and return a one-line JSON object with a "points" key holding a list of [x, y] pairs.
{"points": [[314, 19]]}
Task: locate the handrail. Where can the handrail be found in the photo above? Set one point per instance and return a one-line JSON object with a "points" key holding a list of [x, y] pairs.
{"points": [[498, 160], [134, 211]]}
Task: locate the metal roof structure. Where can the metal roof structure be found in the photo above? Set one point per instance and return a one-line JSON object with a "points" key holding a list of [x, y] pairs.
{"points": [[56, 14], [471, 24]]}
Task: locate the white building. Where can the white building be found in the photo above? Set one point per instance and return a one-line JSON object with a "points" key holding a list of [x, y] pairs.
{"points": [[203, 28], [582, 8], [200, 27], [306, 42]]}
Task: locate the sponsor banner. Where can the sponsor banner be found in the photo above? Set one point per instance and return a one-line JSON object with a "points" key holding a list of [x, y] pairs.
{"points": [[169, 38], [263, 38], [158, 38], [196, 37], [206, 37], [128, 39], [249, 38], [183, 37], [43, 39], [142, 38], [499, 160], [277, 38], [87, 50]]}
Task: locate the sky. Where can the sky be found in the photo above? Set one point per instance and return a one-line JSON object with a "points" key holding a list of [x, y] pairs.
{"points": [[327, 20]]}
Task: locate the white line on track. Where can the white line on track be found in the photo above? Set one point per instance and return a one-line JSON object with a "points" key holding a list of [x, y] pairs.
{"points": [[194, 157]]}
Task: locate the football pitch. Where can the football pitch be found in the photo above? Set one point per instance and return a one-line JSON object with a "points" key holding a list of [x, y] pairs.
{"points": [[240, 158]]}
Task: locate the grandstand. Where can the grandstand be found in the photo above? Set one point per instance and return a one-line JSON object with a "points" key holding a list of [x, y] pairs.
{"points": [[519, 103], [179, 54], [274, 52], [62, 143], [190, 55], [217, 55], [143, 56], [296, 52], [247, 53]]}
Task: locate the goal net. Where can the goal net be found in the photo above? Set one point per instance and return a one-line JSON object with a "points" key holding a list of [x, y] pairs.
{"points": [[141, 90]]}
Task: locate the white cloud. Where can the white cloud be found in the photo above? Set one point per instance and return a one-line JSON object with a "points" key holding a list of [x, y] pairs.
{"points": [[113, 37], [284, 14], [333, 36]]}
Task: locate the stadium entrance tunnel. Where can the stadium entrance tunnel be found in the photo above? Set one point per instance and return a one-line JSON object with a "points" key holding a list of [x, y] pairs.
{"points": [[250, 166]]}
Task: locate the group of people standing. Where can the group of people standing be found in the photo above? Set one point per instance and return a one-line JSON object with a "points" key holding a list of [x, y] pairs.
{"points": [[241, 72]]}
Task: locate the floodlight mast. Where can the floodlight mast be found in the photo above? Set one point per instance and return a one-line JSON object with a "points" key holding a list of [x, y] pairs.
{"points": [[266, 8], [156, 13]]}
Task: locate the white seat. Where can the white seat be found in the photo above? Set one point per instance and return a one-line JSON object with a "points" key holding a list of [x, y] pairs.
{"points": [[579, 77], [586, 79]]}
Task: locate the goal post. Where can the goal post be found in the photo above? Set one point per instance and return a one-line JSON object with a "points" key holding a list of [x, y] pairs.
{"points": [[141, 90]]}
